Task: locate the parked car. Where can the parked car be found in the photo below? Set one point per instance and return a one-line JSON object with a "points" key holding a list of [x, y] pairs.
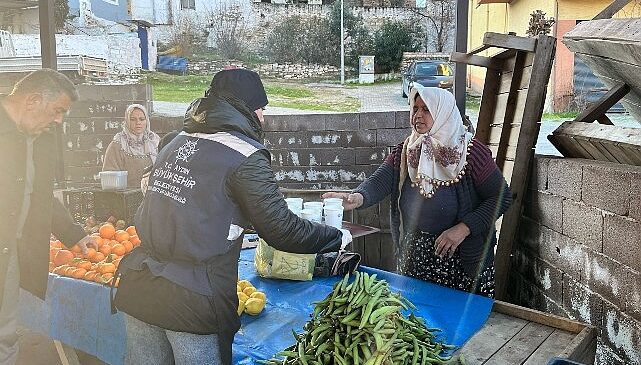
{"points": [[429, 73]]}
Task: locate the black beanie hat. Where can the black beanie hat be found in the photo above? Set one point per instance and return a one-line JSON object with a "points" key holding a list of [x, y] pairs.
{"points": [[242, 84]]}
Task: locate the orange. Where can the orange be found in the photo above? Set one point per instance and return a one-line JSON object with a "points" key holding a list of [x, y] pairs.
{"points": [[107, 268], [69, 271], [106, 278], [99, 257], [107, 231], [76, 249], [105, 250], [119, 249], [90, 275], [135, 240], [79, 273], [62, 257], [56, 244], [84, 264], [52, 252], [52, 266], [131, 230], [99, 241], [128, 246], [59, 269], [121, 236], [98, 278], [91, 252]]}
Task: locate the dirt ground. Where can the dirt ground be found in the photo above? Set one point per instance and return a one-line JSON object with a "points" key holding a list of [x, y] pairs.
{"points": [[38, 349]]}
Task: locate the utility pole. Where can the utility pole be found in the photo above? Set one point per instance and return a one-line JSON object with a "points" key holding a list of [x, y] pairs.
{"points": [[462, 7], [342, 46]]}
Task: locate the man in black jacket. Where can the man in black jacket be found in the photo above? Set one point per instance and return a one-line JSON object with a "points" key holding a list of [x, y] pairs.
{"points": [[30, 213], [208, 184]]}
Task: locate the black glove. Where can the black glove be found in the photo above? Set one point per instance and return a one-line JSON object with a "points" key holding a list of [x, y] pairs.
{"points": [[336, 263]]}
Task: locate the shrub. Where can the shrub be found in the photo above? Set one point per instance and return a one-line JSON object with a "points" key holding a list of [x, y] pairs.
{"points": [[391, 41]]}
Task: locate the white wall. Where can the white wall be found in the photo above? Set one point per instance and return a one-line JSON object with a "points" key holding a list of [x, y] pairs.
{"points": [[122, 51]]}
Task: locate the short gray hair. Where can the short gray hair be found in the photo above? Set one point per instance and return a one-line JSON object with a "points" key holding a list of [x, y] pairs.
{"points": [[48, 82]]}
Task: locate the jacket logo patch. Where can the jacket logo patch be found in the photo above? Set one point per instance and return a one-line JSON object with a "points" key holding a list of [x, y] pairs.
{"points": [[187, 150]]}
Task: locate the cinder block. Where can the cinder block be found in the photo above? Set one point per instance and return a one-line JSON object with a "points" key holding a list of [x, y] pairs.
{"points": [[368, 216], [384, 211], [606, 187], [81, 158], [78, 125], [622, 240], [377, 120], [290, 157], [564, 177], [539, 174], [342, 122], [107, 125], [275, 140], [331, 157], [583, 223], [165, 124], [622, 334], [635, 196], [362, 138], [82, 142], [402, 119], [546, 209], [567, 255], [82, 174], [606, 355], [391, 137], [633, 295], [294, 123], [327, 139], [370, 155], [581, 303], [606, 277]]}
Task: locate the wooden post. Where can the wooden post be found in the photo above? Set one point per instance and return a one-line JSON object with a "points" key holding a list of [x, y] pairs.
{"points": [[541, 70], [612, 9], [460, 76], [597, 110], [66, 354]]}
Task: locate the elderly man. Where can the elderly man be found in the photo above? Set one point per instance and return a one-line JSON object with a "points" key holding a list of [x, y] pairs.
{"points": [[30, 213]]}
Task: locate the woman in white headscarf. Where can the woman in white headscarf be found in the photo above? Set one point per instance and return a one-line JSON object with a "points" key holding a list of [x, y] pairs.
{"points": [[446, 193], [133, 148]]}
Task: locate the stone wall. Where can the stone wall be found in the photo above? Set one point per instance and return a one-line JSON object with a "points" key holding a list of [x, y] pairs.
{"points": [[289, 71], [579, 250]]}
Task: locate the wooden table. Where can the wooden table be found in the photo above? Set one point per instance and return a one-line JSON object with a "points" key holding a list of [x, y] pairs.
{"points": [[518, 335]]}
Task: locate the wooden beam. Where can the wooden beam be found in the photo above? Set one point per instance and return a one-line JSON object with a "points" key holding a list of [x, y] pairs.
{"points": [[510, 109], [478, 49], [612, 9], [460, 74], [488, 105], [601, 106], [474, 60], [534, 315], [66, 354], [509, 41], [530, 125], [583, 347]]}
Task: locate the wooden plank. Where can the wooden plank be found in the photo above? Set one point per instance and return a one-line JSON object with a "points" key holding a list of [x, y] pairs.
{"points": [[478, 49], [66, 354], [601, 106], [531, 117], [603, 119], [500, 40], [608, 155], [498, 329], [620, 29], [522, 345], [593, 152], [534, 315], [561, 145], [513, 131], [488, 105], [511, 151], [474, 60], [506, 80], [508, 170], [550, 347], [504, 100], [612, 9], [583, 347], [512, 108]]}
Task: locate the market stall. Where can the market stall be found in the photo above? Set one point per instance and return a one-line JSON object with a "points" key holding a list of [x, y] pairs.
{"points": [[77, 313]]}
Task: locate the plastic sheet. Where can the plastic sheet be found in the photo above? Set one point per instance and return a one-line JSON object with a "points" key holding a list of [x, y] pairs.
{"points": [[77, 313]]}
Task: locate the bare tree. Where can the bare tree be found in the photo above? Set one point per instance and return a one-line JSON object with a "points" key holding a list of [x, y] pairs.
{"points": [[227, 25], [441, 20]]}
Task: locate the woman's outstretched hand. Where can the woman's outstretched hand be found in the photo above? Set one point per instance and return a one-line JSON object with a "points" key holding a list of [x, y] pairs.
{"points": [[350, 200]]}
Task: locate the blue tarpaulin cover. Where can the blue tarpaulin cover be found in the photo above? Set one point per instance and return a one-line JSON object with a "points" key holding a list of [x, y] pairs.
{"points": [[78, 313]]}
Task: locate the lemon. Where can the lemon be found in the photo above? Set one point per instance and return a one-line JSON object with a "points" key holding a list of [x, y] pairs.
{"points": [[254, 306], [243, 284], [238, 288], [258, 294], [242, 296], [249, 290], [241, 307]]}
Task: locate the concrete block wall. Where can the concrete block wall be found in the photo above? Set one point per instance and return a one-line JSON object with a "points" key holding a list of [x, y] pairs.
{"points": [[578, 253], [91, 124]]}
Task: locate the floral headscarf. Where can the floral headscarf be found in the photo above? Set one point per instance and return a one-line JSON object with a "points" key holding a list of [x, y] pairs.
{"points": [[438, 157], [145, 144]]}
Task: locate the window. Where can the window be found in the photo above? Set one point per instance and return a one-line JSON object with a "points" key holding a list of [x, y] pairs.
{"points": [[188, 4]]}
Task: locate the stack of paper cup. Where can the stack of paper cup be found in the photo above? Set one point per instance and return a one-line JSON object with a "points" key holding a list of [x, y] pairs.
{"points": [[333, 202], [312, 215], [333, 215], [295, 205], [314, 205]]}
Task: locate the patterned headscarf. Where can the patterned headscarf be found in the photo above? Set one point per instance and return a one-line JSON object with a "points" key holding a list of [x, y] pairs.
{"points": [[438, 157], [145, 144]]}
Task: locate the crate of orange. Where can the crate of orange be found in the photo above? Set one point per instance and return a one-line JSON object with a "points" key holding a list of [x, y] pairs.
{"points": [[96, 265], [118, 203]]}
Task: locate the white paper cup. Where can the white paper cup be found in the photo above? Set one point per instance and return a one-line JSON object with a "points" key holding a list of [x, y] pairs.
{"points": [[333, 202], [313, 205], [294, 203], [312, 215], [333, 216]]}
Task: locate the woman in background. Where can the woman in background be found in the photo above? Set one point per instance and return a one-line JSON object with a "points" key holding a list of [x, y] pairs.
{"points": [[133, 148]]}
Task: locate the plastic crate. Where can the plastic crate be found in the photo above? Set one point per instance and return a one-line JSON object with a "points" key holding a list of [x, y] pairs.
{"points": [[121, 204], [79, 202]]}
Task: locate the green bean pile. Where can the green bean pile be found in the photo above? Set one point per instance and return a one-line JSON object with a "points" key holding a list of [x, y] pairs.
{"points": [[361, 323]]}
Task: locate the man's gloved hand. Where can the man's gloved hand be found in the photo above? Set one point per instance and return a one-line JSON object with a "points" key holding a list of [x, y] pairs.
{"points": [[347, 238]]}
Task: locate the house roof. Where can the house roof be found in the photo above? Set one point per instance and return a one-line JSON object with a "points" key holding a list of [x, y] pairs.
{"points": [[18, 4]]}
